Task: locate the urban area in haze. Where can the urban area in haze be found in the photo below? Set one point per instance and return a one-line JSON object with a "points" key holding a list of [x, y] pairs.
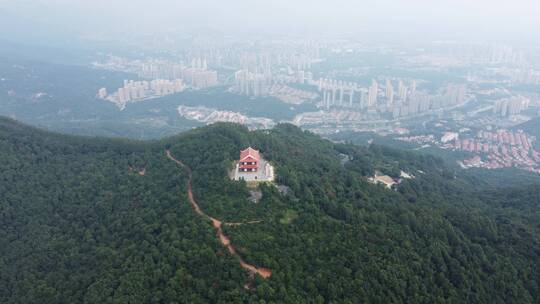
{"points": [[465, 95], [419, 99]]}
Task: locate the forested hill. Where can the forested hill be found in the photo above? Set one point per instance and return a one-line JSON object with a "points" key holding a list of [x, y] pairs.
{"points": [[90, 220]]}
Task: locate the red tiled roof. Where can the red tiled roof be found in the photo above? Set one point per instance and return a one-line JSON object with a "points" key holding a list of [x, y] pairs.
{"points": [[249, 152]]}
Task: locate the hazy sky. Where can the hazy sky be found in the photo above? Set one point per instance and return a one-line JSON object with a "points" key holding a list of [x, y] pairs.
{"points": [[444, 18]]}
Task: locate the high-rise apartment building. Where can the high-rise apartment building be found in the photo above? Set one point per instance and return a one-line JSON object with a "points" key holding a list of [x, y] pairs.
{"points": [[373, 94], [389, 93]]}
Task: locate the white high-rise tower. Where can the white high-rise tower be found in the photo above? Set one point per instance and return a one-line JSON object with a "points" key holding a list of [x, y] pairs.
{"points": [[389, 93], [373, 92]]}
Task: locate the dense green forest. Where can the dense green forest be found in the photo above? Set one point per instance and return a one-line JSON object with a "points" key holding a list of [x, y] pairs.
{"points": [[93, 220]]}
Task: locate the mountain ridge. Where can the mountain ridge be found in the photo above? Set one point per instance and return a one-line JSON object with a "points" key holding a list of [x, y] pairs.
{"points": [[73, 211]]}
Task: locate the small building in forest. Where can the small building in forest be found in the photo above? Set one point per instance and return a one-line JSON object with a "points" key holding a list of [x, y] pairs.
{"points": [[252, 167], [249, 160], [385, 180]]}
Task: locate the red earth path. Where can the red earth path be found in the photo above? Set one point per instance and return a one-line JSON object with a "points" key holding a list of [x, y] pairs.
{"points": [[223, 239]]}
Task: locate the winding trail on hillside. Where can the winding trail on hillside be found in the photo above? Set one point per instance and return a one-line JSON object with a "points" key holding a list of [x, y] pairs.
{"points": [[223, 239]]}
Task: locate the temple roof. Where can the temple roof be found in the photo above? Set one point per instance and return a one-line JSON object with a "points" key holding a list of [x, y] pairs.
{"points": [[249, 152]]}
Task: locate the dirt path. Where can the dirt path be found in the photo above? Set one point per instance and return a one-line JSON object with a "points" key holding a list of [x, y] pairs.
{"points": [[223, 239]]}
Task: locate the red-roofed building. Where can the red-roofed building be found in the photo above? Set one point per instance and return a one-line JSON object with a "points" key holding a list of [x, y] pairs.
{"points": [[249, 160]]}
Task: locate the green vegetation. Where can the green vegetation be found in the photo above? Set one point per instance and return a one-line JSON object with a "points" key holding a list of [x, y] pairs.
{"points": [[288, 217], [79, 224]]}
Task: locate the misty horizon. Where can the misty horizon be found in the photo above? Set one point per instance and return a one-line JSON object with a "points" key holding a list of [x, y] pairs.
{"points": [[515, 21]]}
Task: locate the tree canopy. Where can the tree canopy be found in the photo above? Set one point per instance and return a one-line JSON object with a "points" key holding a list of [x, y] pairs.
{"points": [[93, 220]]}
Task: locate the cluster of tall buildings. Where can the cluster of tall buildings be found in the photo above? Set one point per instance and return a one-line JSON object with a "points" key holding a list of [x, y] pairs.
{"points": [[200, 78], [133, 91], [525, 76], [492, 54], [260, 70], [420, 102], [416, 103], [348, 94], [340, 93], [398, 98], [160, 69], [261, 55], [197, 75], [504, 54], [291, 59], [258, 84], [251, 84], [510, 106]]}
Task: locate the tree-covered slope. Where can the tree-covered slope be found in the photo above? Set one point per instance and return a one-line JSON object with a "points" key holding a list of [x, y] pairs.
{"points": [[77, 225], [90, 220]]}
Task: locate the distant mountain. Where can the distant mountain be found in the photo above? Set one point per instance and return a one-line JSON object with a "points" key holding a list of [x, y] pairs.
{"points": [[94, 220]]}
